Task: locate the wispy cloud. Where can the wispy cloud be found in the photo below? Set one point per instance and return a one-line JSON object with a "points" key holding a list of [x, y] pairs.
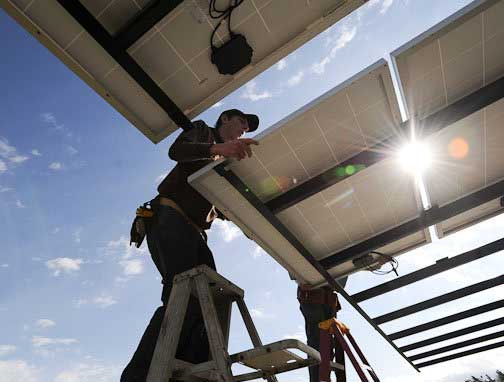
{"points": [[5, 189], [36, 153], [259, 313], [227, 229], [103, 301], [55, 230], [295, 79], [6, 350], [257, 252], [50, 119], [71, 150], [77, 235], [45, 323], [281, 65], [132, 267], [18, 370], [9, 153], [64, 264], [4, 265], [383, 4], [19, 204], [39, 341], [344, 36], [217, 104], [19, 158], [251, 93], [55, 166], [89, 372]]}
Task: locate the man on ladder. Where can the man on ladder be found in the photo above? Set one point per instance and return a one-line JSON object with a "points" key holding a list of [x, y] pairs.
{"points": [[175, 223]]}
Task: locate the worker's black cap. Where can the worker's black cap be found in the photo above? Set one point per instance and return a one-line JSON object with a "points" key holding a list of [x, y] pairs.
{"points": [[252, 119]]}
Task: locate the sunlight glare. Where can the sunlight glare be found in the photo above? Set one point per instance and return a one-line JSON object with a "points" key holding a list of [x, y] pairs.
{"points": [[415, 157]]}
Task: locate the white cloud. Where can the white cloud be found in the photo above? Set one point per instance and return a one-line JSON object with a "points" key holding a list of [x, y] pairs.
{"points": [[55, 230], [6, 350], [36, 153], [5, 265], [345, 35], [77, 235], [64, 264], [217, 104], [9, 153], [45, 323], [296, 79], [55, 166], [132, 267], [384, 5], [19, 204], [89, 372], [39, 341], [71, 150], [282, 64], [251, 93], [258, 252], [259, 313], [4, 189], [227, 229], [123, 249], [50, 119], [18, 370], [103, 301], [18, 158]]}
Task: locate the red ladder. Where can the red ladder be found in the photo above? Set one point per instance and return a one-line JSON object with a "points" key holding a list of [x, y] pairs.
{"points": [[334, 345]]}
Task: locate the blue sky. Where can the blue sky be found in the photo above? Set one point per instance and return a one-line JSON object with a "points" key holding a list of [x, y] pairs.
{"points": [[75, 298]]}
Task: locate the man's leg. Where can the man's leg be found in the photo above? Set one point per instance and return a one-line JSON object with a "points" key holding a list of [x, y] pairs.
{"points": [[174, 246], [313, 315]]}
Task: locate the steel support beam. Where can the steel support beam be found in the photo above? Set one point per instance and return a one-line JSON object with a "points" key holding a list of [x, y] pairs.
{"points": [[447, 320], [458, 345], [108, 43], [242, 188], [440, 266], [461, 354], [144, 21], [449, 115], [444, 298], [454, 334], [428, 218]]}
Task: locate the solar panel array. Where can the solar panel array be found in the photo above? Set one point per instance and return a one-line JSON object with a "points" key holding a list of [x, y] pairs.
{"points": [[175, 52], [321, 138]]}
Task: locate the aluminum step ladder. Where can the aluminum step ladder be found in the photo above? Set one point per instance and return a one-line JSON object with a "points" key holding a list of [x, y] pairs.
{"points": [[334, 346], [216, 295]]}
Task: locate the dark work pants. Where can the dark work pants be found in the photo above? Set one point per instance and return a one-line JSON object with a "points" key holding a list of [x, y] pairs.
{"points": [[313, 315], [175, 247]]}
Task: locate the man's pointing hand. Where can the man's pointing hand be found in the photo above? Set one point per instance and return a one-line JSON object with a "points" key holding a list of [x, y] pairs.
{"points": [[237, 148]]}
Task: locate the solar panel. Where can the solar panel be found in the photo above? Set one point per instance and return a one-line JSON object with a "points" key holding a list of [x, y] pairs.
{"points": [[453, 59], [174, 53], [346, 120]]}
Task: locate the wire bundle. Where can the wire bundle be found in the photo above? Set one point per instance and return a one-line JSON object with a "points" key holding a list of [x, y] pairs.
{"points": [[221, 15]]}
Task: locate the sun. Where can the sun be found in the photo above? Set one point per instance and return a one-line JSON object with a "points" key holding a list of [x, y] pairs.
{"points": [[415, 157]]}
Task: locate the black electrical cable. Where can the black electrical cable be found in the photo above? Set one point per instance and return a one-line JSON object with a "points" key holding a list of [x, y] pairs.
{"points": [[222, 14], [391, 260]]}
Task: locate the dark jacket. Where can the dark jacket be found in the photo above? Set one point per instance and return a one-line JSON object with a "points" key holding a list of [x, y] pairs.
{"points": [[191, 150]]}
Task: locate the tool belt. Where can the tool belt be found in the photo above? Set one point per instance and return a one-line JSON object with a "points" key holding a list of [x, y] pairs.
{"points": [[145, 213], [321, 296]]}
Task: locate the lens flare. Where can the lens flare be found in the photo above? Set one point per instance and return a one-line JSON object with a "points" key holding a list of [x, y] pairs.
{"points": [[458, 148], [415, 157]]}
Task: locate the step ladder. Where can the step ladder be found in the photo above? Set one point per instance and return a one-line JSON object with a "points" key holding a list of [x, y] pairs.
{"points": [[333, 346], [216, 295]]}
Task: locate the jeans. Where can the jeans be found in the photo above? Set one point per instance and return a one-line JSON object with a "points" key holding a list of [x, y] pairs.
{"points": [[313, 315], [175, 246]]}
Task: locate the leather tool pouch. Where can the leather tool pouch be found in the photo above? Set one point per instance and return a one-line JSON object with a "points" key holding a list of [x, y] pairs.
{"points": [[140, 224]]}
